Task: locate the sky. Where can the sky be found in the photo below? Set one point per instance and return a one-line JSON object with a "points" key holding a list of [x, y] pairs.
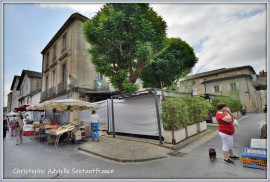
{"points": [[222, 35]]}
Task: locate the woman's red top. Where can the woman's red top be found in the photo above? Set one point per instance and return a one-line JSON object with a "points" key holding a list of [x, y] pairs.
{"points": [[224, 127]]}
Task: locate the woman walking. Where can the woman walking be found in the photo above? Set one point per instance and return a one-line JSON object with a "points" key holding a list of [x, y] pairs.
{"points": [[226, 131], [19, 129], [94, 119]]}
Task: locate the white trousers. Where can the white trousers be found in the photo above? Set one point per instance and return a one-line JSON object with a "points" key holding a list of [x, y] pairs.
{"points": [[227, 141]]}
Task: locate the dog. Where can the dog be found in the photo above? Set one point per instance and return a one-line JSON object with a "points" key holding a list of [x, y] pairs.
{"points": [[212, 154]]}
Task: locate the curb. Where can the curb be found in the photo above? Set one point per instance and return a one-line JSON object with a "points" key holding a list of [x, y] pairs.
{"points": [[121, 160], [189, 140]]}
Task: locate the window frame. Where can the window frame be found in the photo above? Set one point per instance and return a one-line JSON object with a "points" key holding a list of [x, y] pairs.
{"points": [[216, 89]]}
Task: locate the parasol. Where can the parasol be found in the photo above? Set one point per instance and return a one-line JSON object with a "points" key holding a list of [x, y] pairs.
{"points": [[22, 107], [66, 105], [12, 114]]}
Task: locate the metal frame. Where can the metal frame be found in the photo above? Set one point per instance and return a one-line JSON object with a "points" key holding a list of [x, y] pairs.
{"points": [[140, 93]]}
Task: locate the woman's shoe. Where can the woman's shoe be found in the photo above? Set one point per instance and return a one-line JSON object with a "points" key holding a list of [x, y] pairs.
{"points": [[235, 158], [228, 161]]}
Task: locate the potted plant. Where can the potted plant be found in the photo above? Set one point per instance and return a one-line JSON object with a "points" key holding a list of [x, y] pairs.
{"points": [[178, 114]]}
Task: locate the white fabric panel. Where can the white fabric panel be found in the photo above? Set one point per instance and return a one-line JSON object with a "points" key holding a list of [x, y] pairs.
{"points": [[102, 112], [136, 115]]}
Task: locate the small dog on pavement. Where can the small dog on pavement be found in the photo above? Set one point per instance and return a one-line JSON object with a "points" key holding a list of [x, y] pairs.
{"points": [[212, 154]]}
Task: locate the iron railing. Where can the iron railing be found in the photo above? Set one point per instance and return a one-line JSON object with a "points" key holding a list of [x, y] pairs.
{"points": [[61, 87]]}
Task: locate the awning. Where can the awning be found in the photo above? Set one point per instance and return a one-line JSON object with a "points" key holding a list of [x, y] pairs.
{"points": [[22, 107], [64, 105]]}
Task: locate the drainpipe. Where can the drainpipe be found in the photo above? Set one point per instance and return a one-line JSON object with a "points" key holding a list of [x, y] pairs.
{"points": [[204, 89], [248, 93], [248, 89]]}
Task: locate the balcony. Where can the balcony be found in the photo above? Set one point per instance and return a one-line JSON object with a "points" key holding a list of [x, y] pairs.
{"points": [[44, 95], [46, 70], [61, 87], [101, 85], [64, 54], [54, 62], [52, 91]]}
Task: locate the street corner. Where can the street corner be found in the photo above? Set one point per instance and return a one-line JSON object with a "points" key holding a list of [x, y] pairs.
{"points": [[121, 150]]}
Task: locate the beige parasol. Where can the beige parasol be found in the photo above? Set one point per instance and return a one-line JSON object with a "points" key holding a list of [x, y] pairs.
{"points": [[67, 105], [12, 114]]}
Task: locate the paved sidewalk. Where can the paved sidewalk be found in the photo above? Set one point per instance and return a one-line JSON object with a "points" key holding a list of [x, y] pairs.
{"points": [[132, 149], [123, 150]]}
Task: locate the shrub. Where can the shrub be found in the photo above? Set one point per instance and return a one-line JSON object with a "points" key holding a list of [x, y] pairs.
{"points": [[233, 103], [185, 111]]}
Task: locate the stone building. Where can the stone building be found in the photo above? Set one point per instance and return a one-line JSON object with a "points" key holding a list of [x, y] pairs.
{"points": [[260, 84], [235, 82], [67, 72], [29, 87], [14, 95], [9, 102]]}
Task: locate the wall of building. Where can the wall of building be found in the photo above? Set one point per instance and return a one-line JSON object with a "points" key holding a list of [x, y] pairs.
{"points": [[249, 97], [15, 96], [83, 70], [58, 68], [35, 99], [35, 84], [9, 102], [25, 90], [225, 89]]}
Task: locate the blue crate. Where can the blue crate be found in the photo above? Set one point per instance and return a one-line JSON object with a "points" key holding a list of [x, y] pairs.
{"points": [[254, 157]]}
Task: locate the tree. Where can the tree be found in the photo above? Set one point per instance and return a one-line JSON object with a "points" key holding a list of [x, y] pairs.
{"points": [[123, 40], [175, 61]]}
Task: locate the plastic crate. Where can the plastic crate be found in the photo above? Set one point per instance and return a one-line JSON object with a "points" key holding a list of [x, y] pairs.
{"points": [[254, 157], [28, 133]]}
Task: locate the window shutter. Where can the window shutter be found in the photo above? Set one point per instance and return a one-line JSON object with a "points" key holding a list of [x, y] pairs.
{"points": [[237, 86], [220, 88], [195, 91], [229, 87], [213, 89]]}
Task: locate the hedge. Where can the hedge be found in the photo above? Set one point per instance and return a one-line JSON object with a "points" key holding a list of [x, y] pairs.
{"points": [[233, 103], [185, 111]]}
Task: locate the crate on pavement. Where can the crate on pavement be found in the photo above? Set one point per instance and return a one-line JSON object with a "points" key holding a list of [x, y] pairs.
{"points": [[51, 138], [78, 134], [254, 158]]}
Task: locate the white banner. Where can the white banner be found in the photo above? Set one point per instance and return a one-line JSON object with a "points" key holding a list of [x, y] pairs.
{"points": [[136, 115]]}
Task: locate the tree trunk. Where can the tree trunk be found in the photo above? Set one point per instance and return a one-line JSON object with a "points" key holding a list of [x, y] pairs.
{"points": [[139, 67], [120, 87]]}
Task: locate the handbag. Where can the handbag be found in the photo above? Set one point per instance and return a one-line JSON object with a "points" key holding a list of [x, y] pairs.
{"points": [[235, 123]]}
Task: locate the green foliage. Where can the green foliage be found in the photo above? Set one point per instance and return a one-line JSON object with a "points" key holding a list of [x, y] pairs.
{"points": [[130, 87], [234, 92], [233, 103], [186, 111], [123, 39], [173, 87], [174, 61]]}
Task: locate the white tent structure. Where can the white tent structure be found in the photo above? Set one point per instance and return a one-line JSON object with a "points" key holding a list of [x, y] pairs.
{"points": [[134, 113]]}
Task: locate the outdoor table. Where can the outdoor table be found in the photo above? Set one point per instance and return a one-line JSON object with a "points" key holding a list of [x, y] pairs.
{"points": [[58, 134], [36, 132], [42, 133]]}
